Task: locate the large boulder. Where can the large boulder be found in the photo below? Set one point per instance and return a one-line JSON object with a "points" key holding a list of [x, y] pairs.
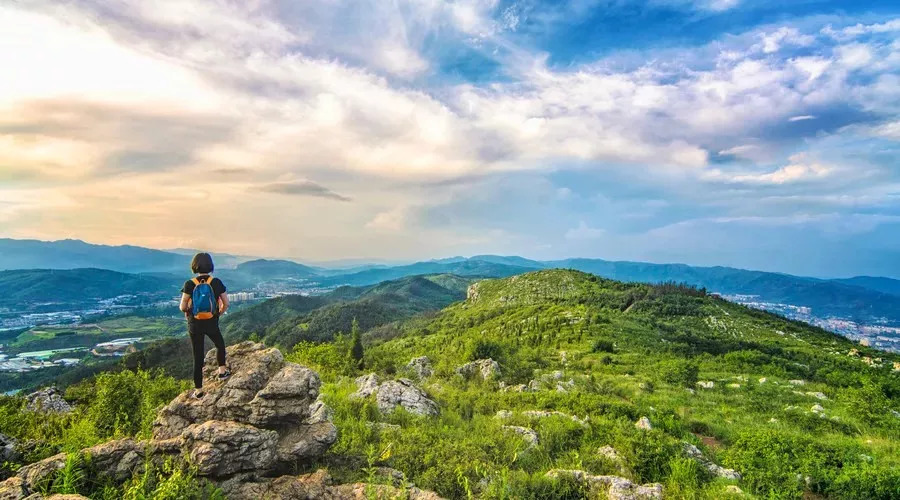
{"points": [[49, 400], [484, 368], [117, 460], [262, 421], [391, 394], [269, 406], [403, 393]]}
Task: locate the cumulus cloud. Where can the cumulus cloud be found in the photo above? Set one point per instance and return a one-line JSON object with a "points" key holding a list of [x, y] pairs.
{"points": [[357, 95]]}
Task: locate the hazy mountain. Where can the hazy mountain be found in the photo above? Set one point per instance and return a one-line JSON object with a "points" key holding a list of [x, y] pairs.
{"points": [[276, 269], [885, 285], [74, 254]]}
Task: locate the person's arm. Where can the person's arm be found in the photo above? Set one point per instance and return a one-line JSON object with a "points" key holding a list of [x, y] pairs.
{"points": [[185, 304], [223, 303]]}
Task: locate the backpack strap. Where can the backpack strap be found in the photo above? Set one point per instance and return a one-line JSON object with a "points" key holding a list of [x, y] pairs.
{"points": [[196, 281]]}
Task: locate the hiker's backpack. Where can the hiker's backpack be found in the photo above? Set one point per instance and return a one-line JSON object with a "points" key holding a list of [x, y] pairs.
{"points": [[205, 305]]}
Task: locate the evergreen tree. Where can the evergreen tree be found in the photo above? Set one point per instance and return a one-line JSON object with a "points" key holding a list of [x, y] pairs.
{"points": [[356, 349]]}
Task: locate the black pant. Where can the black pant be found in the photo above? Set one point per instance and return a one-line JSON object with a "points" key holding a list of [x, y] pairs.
{"points": [[199, 329]]}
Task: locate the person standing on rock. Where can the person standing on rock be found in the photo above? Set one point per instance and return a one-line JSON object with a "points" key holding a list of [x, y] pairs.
{"points": [[203, 300]]}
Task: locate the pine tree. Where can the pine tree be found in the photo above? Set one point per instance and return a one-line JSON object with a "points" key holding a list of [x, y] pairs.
{"points": [[356, 349]]}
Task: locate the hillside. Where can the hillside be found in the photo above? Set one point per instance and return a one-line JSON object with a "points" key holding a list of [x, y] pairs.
{"points": [[79, 285], [560, 384], [582, 359], [276, 268], [287, 320]]}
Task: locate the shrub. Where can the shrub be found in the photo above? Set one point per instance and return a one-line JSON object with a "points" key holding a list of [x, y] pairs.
{"points": [[603, 345], [679, 372], [484, 349], [866, 482], [126, 402]]}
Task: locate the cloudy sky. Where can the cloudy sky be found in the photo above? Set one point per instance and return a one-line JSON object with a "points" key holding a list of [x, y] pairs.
{"points": [[730, 132]]}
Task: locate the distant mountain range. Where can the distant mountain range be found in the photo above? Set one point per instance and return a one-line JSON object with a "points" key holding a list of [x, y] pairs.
{"points": [[863, 298]]}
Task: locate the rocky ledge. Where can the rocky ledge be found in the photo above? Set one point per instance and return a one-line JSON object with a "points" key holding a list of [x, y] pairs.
{"points": [[263, 421]]}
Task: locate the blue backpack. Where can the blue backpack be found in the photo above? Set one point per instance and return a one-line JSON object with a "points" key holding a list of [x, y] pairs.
{"points": [[205, 305]]}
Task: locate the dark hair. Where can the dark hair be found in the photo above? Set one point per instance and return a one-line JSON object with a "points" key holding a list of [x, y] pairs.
{"points": [[202, 263]]}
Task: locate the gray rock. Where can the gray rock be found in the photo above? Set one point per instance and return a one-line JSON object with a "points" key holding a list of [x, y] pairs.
{"points": [[403, 393], [117, 460], [366, 385], [644, 424], [545, 414], [49, 400], [817, 408], [8, 452], [421, 366], [485, 368], [37, 476], [527, 434], [503, 414], [617, 488], [319, 485], [220, 449], [706, 384], [818, 395], [714, 469]]}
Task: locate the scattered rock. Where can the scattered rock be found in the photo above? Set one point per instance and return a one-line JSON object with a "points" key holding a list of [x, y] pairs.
{"points": [[706, 384], [565, 386], [47, 400], [318, 485], [644, 424], [534, 386], [529, 435], [817, 408], [366, 386], [714, 469], [617, 488], [818, 395], [8, 452], [403, 393], [503, 414], [516, 388], [797, 382], [421, 366], [545, 414], [773, 420], [733, 489], [485, 368], [393, 393], [763, 380]]}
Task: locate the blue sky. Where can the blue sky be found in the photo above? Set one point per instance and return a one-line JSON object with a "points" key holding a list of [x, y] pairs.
{"points": [[756, 134]]}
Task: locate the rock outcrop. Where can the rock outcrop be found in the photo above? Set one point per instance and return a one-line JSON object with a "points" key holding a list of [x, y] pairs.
{"points": [[527, 434], [49, 400], [391, 394], [484, 368], [265, 419], [615, 487], [420, 366]]}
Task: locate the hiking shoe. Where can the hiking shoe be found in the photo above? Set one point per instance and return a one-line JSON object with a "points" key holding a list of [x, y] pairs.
{"points": [[198, 394], [225, 374]]}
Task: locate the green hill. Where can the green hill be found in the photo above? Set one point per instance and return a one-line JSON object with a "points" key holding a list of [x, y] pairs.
{"points": [[794, 409], [79, 285]]}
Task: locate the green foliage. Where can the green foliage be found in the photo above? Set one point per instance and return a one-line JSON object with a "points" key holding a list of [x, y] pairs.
{"points": [[603, 345], [126, 402], [171, 481], [866, 481], [356, 349], [679, 372], [481, 348]]}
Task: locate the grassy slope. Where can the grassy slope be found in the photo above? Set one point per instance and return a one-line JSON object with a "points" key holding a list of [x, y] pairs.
{"points": [[766, 429]]}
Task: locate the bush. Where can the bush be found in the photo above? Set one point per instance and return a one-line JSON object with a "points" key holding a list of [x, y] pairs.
{"points": [[484, 349], [679, 372], [126, 402], [603, 345], [866, 482]]}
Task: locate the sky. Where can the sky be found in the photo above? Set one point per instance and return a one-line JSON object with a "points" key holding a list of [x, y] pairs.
{"points": [[757, 134]]}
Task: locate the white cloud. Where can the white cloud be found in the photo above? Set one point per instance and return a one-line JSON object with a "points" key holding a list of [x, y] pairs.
{"points": [[801, 118], [585, 233]]}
